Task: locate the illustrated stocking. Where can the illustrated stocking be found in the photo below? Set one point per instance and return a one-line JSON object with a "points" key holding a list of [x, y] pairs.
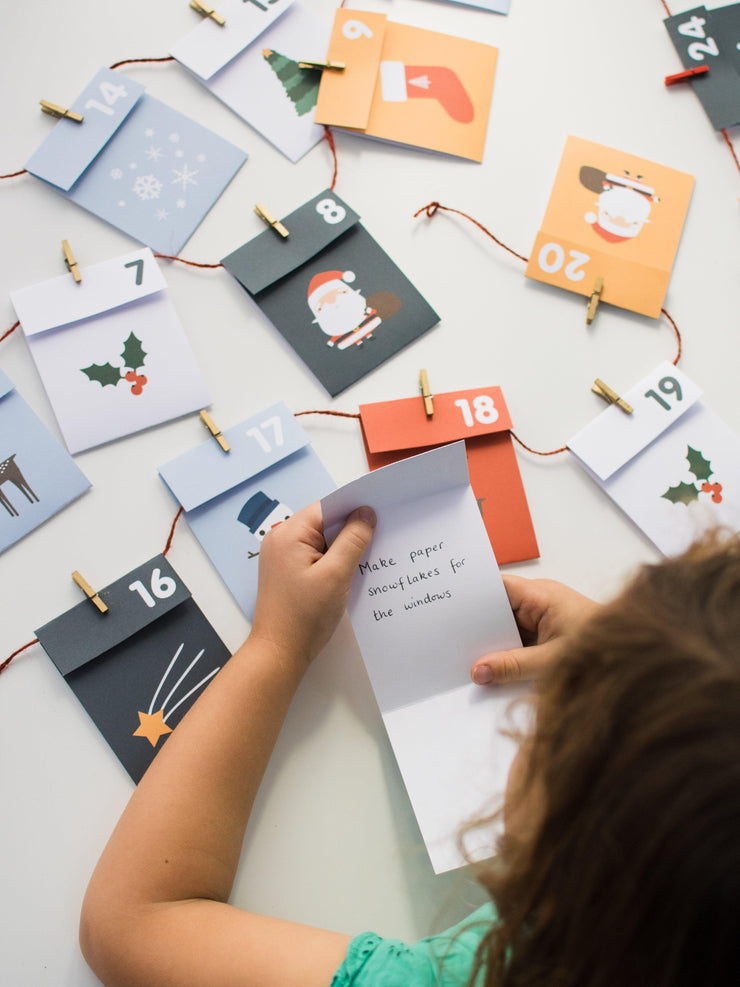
{"points": [[401, 82]]}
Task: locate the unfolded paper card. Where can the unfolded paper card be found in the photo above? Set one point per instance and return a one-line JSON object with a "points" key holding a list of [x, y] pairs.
{"points": [[137, 163], [427, 599], [331, 291], [251, 64], [673, 466], [408, 85], [394, 430], [138, 668], [613, 216], [38, 477], [111, 351], [710, 38], [231, 500]]}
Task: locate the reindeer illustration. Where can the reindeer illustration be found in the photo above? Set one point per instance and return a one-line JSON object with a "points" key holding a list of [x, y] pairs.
{"points": [[10, 473]]}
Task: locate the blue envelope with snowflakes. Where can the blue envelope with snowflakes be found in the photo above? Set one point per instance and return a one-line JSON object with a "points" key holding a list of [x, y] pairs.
{"points": [[38, 477], [137, 163], [138, 668], [111, 351], [232, 499], [673, 465], [332, 291], [252, 64]]}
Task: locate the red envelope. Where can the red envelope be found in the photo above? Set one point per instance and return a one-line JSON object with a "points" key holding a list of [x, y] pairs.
{"points": [[393, 430]]}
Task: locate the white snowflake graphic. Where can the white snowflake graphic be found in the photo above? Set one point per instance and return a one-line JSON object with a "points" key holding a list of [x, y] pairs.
{"points": [[180, 203], [184, 177], [149, 132], [147, 187], [115, 173], [174, 138], [154, 153], [161, 214]]}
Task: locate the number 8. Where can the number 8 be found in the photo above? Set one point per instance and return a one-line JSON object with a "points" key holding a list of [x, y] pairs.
{"points": [[330, 211]]}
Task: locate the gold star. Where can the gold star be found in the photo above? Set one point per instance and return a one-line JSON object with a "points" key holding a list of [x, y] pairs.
{"points": [[152, 726]]}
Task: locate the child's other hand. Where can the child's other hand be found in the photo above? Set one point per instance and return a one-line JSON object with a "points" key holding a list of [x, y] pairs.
{"points": [[545, 611], [303, 586]]}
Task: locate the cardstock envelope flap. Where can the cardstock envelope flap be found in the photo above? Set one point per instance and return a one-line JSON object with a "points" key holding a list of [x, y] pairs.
{"points": [[61, 301], [83, 633], [345, 97], [613, 438], [104, 104], [403, 424], [256, 444], [6, 384], [211, 46], [269, 257]]}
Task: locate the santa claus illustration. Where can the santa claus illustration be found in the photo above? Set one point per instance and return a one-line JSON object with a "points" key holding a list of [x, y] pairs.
{"points": [[343, 313], [623, 205]]}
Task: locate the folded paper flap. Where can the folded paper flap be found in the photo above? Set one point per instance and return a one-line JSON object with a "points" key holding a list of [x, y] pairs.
{"points": [[612, 439], [413, 478], [267, 258], [404, 424], [134, 601], [345, 98], [210, 46], [105, 286], [70, 148], [256, 444], [6, 384]]}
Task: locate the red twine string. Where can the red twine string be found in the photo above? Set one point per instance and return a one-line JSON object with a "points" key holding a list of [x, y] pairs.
{"points": [[190, 263], [134, 61], [329, 138], [431, 210], [17, 651], [8, 331], [339, 414], [732, 149], [552, 452], [171, 535], [15, 174], [665, 7]]}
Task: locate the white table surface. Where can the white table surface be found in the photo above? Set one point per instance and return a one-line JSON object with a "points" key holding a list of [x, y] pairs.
{"points": [[333, 841]]}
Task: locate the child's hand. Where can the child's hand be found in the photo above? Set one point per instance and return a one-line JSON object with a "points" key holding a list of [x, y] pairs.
{"points": [[545, 612], [303, 586]]}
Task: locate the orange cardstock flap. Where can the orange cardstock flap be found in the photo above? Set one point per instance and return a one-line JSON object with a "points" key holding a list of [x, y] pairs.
{"points": [[345, 97], [403, 424]]}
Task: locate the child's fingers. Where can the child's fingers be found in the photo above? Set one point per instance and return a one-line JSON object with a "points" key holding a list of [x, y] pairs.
{"points": [[352, 541], [516, 665]]}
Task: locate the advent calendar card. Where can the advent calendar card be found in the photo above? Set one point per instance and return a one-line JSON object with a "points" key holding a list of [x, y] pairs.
{"points": [[251, 64], [138, 668], [231, 500], [111, 351], [38, 477], [673, 466], [426, 601], [394, 430], [709, 38], [137, 163], [408, 85], [614, 216], [332, 292]]}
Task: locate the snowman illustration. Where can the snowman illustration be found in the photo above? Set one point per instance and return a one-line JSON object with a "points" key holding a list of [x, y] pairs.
{"points": [[262, 513], [343, 313], [623, 205]]}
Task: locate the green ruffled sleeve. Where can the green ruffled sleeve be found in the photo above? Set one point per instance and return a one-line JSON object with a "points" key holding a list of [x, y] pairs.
{"points": [[444, 960]]}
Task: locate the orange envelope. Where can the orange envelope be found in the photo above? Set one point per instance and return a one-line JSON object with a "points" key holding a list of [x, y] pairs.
{"points": [[614, 216], [408, 85], [394, 430]]}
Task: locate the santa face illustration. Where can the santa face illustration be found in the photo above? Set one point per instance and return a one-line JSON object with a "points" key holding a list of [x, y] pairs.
{"points": [[262, 513], [624, 204], [343, 313]]}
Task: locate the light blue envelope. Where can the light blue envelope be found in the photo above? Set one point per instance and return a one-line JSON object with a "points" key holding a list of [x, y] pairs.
{"points": [[232, 499], [38, 477], [137, 163]]}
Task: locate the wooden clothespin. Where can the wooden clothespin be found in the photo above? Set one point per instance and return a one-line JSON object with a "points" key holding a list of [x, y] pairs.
{"points": [[593, 302], [70, 261], [610, 396], [426, 393], [215, 431], [59, 111], [320, 66], [264, 213], [205, 11], [687, 76], [89, 591]]}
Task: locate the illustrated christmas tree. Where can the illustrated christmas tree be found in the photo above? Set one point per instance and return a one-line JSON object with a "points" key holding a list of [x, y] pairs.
{"points": [[301, 85]]}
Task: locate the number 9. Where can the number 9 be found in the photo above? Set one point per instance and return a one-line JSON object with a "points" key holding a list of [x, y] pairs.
{"points": [[356, 29], [669, 385]]}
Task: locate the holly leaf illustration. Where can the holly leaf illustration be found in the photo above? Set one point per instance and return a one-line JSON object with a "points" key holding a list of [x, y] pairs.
{"points": [[682, 493], [103, 373], [698, 465], [133, 353]]}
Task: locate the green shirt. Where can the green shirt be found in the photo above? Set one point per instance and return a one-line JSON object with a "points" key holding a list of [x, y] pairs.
{"points": [[444, 960]]}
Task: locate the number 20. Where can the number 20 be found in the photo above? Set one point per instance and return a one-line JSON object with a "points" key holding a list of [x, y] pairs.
{"points": [[572, 271]]}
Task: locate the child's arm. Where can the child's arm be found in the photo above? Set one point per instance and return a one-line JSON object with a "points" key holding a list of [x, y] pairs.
{"points": [[545, 612], [155, 910]]}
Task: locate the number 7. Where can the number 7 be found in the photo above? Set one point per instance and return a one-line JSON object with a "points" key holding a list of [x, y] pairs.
{"points": [[139, 265]]}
